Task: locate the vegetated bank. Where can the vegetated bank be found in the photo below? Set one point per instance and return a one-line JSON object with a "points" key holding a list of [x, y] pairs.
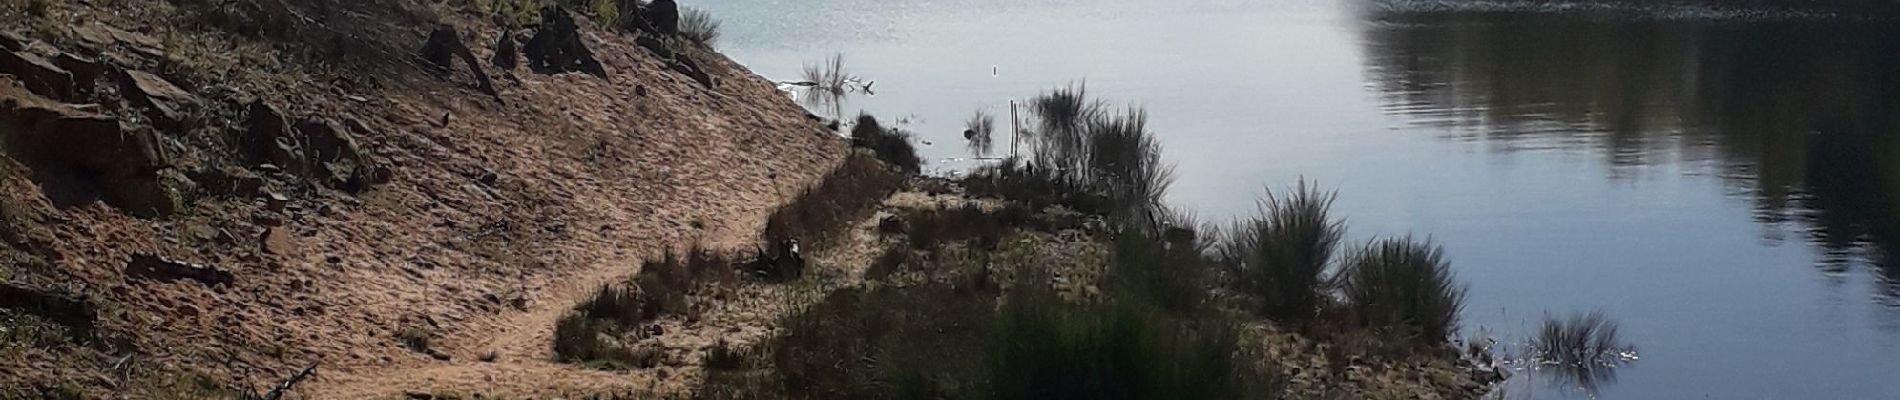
{"points": [[1058, 275]]}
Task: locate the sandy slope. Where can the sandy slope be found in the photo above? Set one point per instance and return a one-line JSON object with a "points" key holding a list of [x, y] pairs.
{"points": [[590, 177]]}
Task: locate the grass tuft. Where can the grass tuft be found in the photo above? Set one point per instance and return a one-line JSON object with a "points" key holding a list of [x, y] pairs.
{"points": [[699, 27], [1581, 349], [1282, 254], [890, 144], [979, 134], [850, 193], [1404, 286], [1045, 349], [595, 331]]}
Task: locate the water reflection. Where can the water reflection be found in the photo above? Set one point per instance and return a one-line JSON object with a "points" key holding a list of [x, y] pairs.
{"points": [[1799, 115]]}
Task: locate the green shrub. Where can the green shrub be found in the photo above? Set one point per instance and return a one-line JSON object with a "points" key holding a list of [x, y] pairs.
{"points": [[1048, 350], [1151, 269], [1578, 338], [891, 145], [979, 134], [1580, 350], [1037, 188], [606, 13], [847, 195], [970, 222], [1281, 255], [699, 27], [1404, 286]]}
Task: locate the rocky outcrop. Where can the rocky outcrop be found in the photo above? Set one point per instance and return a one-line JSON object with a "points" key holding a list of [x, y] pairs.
{"points": [[75, 313], [444, 46], [148, 266], [663, 16], [334, 156], [507, 55], [169, 107], [269, 140], [94, 153], [39, 75], [314, 148], [85, 70], [557, 48]]}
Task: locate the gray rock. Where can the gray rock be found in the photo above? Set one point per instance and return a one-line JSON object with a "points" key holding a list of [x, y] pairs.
{"points": [[40, 76], [169, 107]]}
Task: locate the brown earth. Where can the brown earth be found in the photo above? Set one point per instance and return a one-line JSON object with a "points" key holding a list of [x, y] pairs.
{"points": [[498, 214]]}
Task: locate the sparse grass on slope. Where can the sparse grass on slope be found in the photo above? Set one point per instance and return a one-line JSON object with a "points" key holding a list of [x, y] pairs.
{"points": [[1404, 286], [1281, 255], [848, 194]]}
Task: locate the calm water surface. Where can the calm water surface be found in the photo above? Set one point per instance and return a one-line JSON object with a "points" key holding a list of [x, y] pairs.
{"points": [[1726, 184]]}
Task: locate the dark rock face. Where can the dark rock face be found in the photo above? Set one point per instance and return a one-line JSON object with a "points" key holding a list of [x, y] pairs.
{"points": [[77, 314], [40, 76], [147, 266], [440, 52], [506, 54], [334, 155], [677, 62], [557, 48], [84, 155], [85, 70], [269, 140], [315, 148], [169, 107], [663, 16]]}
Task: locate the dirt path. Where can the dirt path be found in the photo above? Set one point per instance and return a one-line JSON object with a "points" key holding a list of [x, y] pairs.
{"points": [[521, 342]]}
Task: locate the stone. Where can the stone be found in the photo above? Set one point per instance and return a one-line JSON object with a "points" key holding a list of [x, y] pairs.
{"points": [[169, 107], [269, 139], [686, 66], [13, 41], [85, 71], [556, 47], [663, 16], [275, 202], [507, 55], [891, 225], [150, 266], [39, 75], [125, 164], [443, 47], [77, 313], [333, 153], [278, 240]]}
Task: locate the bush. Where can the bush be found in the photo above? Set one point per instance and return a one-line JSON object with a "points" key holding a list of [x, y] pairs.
{"points": [[1281, 255], [1581, 350], [1047, 350], [891, 145], [970, 222], [1404, 286], [979, 133], [849, 194], [1154, 270], [1037, 188], [606, 13], [660, 288], [699, 27]]}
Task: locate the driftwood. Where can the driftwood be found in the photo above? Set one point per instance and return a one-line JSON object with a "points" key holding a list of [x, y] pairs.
{"points": [[277, 392]]}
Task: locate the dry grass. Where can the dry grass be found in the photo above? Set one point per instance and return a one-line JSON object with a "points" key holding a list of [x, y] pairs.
{"points": [[848, 194], [597, 331]]}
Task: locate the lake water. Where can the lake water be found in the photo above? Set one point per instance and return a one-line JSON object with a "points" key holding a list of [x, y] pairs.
{"points": [[1726, 183]]}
